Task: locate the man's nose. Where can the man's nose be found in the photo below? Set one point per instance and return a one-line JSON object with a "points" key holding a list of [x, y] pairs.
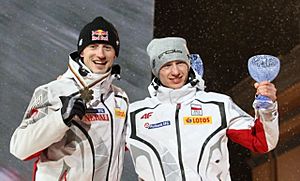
{"points": [[174, 70], [100, 52]]}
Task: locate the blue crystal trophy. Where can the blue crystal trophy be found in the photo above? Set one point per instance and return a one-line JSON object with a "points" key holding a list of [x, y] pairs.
{"points": [[263, 68], [197, 64]]}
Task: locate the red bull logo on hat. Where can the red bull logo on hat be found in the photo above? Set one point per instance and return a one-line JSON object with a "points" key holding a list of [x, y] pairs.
{"points": [[100, 35]]}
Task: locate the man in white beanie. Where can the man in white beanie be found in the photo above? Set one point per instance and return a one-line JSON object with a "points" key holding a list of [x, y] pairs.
{"points": [[181, 131]]}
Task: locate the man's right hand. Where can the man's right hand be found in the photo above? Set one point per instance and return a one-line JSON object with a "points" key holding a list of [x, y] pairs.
{"points": [[71, 107]]}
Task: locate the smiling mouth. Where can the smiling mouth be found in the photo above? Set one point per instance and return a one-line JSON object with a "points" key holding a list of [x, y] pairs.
{"points": [[97, 62]]}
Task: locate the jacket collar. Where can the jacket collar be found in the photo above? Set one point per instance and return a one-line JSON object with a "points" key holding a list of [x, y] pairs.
{"points": [[183, 94], [100, 82]]}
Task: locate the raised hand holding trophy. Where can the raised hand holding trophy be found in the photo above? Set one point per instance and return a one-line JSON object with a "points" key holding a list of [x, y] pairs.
{"points": [[263, 68], [197, 64]]}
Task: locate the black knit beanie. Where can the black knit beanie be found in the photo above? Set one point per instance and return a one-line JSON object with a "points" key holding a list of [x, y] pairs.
{"points": [[98, 31]]}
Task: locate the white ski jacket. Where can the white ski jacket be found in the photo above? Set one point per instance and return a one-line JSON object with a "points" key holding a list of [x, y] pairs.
{"points": [[92, 149], [182, 134]]}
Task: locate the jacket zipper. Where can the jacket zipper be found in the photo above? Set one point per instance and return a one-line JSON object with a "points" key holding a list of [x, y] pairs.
{"points": [[112, 139], [178, 106]]}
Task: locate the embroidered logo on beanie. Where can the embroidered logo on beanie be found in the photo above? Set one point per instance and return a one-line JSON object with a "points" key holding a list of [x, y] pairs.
{"points": [[100, 35], [98, 31]]}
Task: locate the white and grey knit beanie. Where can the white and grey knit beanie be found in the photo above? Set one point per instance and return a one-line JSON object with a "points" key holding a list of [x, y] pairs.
{"points": [[164, 50]]}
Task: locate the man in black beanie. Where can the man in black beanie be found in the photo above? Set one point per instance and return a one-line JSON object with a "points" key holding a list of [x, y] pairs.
{"points": [[74, 126]]}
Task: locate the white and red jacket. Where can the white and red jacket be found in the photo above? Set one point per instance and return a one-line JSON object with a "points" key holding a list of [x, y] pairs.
{"points": [[182, 134], [92, 149]]}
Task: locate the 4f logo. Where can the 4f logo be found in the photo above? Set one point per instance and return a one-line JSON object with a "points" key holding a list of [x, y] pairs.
{"points": [[147, 115]]}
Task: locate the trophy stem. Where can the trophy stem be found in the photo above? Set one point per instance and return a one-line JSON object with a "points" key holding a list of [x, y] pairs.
{"points": [[262, 102]]}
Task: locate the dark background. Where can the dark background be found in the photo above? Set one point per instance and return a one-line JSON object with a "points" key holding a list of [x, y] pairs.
{"points": [[227, 32]]}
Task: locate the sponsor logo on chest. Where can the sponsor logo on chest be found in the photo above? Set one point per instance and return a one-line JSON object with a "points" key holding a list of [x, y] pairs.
{"points": [[119, 113], [157, 125], [147, 115], [96, 117], [98, 114], [196, 120]]}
